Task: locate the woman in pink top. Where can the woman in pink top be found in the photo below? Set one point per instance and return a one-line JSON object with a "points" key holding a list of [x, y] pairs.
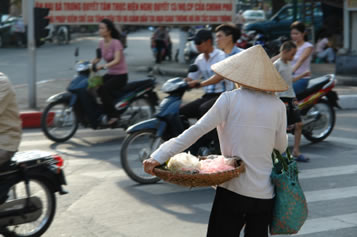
{"points": [[302, 59], [117, 75]]}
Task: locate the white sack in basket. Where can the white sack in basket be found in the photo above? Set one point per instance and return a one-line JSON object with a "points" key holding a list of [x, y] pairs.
{"points": [[184, 161]]}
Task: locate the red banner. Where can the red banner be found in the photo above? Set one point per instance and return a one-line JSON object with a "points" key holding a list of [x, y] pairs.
{"points": [[140, 12]]}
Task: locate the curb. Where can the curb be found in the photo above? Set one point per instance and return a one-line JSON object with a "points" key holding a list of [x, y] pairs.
{"points": [[348, 101], [31, 119]]}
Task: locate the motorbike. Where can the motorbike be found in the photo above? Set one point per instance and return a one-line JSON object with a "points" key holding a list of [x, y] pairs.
{"points": [[190, 51], [145, 137], [246, 40], [316, 106], [62, 35], [271, 47], [27, 193], [64, 112]]}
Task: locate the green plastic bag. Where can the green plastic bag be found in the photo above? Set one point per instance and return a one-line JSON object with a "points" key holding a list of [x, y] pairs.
{"points": [[95, 81], [290, 207]]}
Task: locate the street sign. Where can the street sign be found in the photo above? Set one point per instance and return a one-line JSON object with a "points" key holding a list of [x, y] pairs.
{"points": [[140, 12]]}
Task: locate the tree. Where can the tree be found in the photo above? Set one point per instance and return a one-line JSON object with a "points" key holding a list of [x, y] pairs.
{"points": [[276, 5]]}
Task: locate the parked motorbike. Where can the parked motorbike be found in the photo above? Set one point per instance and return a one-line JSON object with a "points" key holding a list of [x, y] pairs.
{"points": [[145, 137], [316, 106], [271, 47], [62, 34], [246, 40], [27, 193], [190, 51], [64, 112], [59, 34]]}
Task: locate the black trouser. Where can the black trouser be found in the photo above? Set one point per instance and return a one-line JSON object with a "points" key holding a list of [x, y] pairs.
{"points": [[89, 106], [196, 109], [111, 84], [230, 211], [292, 110], [160, 46]]}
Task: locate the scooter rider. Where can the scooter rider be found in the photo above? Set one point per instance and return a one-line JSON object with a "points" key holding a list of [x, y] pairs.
{"points": [[10, 129], [226, 37], [10, 122], [208, 56]]}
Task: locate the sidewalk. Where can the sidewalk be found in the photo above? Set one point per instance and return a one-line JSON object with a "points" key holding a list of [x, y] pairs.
{"points": [[346, 90]]}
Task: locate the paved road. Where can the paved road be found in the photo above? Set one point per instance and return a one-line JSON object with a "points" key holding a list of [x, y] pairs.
{"points": [[103, 201], [56, 61]]}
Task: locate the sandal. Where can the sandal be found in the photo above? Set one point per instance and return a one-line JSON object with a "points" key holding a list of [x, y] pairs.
{"points": [[301, 158]]}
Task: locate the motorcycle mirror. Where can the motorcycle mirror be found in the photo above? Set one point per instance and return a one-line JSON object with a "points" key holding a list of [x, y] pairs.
{"points": [[193, 68], [98, 53], [76, 52]]}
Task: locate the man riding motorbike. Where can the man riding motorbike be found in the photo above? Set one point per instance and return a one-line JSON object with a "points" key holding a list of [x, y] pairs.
{"points": [[10, 122], [226, 36], [208, 56], [10, 128]]}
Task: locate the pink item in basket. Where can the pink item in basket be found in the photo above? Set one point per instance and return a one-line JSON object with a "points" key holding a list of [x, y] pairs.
{"points": [[214, 165]]}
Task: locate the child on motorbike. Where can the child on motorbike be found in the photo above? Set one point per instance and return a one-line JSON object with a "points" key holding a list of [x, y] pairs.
{"points": [[283, 66]]}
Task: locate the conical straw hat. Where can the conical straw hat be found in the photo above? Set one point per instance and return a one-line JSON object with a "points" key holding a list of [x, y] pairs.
{"points": [[251, 68]]}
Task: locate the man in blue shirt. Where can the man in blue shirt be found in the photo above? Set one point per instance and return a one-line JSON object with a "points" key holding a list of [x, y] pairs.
{"points": [[209, 56], [226, 38]]}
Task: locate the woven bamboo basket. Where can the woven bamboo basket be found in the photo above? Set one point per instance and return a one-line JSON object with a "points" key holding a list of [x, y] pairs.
{"points": [[197, 179]]}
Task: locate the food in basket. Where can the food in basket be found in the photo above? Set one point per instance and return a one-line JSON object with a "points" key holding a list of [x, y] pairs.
{"points": [[218, 164], [216, 171], [190, 163], [184, 162]]}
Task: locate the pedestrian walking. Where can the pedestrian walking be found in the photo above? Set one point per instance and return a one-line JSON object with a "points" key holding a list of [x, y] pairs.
{"points": [[251, 122]]}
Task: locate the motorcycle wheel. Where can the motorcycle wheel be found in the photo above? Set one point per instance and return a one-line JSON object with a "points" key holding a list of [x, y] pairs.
{"points": [[136, 148], [138, 110], [321, 128], [59, 122], [41, 189]]}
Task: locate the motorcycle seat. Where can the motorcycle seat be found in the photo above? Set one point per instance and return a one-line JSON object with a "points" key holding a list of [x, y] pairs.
{"points": [[313, 87], [135, 85]]}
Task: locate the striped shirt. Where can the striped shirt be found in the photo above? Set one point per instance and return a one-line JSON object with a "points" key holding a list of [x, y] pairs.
{"points": [[230, 84]]}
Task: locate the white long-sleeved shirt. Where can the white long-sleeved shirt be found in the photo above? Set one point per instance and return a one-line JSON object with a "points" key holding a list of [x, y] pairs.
{"points": [[206, 72], [250, 125]]}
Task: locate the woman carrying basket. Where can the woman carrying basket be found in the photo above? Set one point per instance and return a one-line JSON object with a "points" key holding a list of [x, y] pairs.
{"points": [[251, 122]]}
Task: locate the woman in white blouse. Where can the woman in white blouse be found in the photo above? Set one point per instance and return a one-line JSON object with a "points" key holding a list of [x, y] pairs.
{"points": [[251, 122]]}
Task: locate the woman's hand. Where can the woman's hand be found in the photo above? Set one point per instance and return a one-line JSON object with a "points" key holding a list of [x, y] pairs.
{"points": [[149, 165], [101, 67]]}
